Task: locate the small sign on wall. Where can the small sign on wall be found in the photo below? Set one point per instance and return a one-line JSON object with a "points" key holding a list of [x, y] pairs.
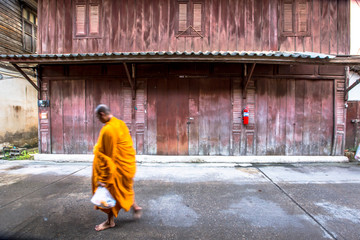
{"points": [[43, 103], [43, 115]]}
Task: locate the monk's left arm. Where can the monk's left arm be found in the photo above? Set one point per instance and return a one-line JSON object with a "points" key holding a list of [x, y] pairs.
{"points": [[103, 163]]}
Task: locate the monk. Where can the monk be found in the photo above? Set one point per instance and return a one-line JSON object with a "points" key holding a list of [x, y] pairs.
{"points": [[114, 166]]}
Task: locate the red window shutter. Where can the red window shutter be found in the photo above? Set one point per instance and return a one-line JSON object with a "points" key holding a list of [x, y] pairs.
{"points": [[197, 16], [94, 17], [80, 19], [183, 16], [303, 12], [288, 18]]}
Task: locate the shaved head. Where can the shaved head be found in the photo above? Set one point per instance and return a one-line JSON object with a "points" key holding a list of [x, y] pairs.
{"points": [[102, 108]]}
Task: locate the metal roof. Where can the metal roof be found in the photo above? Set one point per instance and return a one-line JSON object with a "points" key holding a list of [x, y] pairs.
{"points": [[168, 56]]}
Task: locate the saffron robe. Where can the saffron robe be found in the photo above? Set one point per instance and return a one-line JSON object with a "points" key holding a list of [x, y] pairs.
{"points": [[114, 164]]}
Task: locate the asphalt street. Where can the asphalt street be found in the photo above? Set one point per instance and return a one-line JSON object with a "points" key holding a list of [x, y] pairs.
{"points": [[47, 200]]}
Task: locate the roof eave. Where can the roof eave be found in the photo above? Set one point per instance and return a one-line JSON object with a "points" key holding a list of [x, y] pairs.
{"points": [[227, 59]]}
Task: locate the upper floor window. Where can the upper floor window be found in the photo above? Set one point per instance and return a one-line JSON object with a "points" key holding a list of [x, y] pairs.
{"points": [[295, 18], [87, 18], [29, 29], [190, 17]]}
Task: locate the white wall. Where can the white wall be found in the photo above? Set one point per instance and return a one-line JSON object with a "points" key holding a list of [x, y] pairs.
{"points": [[18, 109], [355, 27], [354, 94]]}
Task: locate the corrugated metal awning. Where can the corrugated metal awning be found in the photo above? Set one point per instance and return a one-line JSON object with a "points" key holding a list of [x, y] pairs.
{"points": [[268, 57]]}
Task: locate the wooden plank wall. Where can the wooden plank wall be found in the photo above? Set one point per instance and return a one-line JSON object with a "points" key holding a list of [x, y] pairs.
{"points": [[74, 93], [229, 25], [294, 117], [352, 128], [74, 127], [11, 27], [195, 109]]}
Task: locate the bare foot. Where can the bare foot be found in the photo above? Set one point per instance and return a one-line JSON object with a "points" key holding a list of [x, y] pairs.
{"points": [[137, 212], [104, 225]]}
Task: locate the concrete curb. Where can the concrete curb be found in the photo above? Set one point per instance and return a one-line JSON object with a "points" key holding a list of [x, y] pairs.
{"points": [[199, 159]]}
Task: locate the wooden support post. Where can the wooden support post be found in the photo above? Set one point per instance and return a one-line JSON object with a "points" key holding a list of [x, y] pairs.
{"points": [[132, 84], [247, 78], [26, 76]]}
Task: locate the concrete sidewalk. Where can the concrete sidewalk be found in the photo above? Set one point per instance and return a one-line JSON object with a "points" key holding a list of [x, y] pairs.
{"points": [[49, 200], [198, 159]]}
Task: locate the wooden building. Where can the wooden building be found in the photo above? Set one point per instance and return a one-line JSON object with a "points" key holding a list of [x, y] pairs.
{"points": [[180, 73], [18, 99]]}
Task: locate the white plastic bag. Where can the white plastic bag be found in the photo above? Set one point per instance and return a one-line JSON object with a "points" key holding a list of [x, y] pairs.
{"points": [[103, 199], [357, 154]]}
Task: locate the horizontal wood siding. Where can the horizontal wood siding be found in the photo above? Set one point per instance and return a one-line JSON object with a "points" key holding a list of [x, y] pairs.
{"points": [[11, 27], [228, 25]]}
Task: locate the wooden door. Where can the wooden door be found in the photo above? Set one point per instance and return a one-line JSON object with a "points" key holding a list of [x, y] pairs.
{"points": [[68, 117], [214, 116], [168, 115], [189, 116]]}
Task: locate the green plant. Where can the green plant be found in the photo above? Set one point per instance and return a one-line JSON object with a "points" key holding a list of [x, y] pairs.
{"points": [[25, 155], [353, 149]]}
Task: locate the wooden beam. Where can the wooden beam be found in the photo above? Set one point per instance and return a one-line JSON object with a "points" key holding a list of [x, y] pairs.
{"points": [[352, 86], [247, 79], [132, 85], [26, 76]]}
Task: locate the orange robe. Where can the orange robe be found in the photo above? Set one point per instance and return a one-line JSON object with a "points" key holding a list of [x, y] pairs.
{"points": [[114, 164]]}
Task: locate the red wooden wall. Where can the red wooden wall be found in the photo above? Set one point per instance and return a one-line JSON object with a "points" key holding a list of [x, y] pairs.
{"points": [[353, 128], [195, 109], [229, 25]]}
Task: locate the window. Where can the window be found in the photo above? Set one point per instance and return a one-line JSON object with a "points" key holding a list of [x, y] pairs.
{"points": [[295, 18], [190, 18], [29, 29], [87, 18]]}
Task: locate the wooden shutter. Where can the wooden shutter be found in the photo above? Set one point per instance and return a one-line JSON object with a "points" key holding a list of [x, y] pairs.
{"points": [[302, 9], [288, 16], [80, 19], [183, 16], [94, 17], [197, 16]]}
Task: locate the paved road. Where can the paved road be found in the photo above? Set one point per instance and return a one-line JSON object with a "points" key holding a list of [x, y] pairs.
{"points": [[186, 201]]}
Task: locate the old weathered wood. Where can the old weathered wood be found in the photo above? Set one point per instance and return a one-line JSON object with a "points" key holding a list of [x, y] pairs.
{"points": [[290, 118], [228, 25], [11, 28], [247, 76], [56, 110], [140, 116], [236, 116], [151, 116], [193, 118], [90, 137], [353, 125], [354, 84], [26, 77], [326, 118], [198, 113], [131, 81]]}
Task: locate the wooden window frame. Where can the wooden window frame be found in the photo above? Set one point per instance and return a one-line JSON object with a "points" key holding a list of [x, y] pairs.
{"points": [[33, 34], [295, 19], [87, 4], [189, 32]]}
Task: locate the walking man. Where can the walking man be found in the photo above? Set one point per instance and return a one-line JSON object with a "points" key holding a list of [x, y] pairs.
{"points": [[114, 166]]}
